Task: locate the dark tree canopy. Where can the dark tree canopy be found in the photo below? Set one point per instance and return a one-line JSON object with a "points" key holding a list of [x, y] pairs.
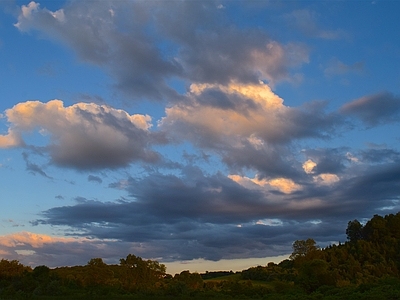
{"points": [[354, 231], [302, 248]]}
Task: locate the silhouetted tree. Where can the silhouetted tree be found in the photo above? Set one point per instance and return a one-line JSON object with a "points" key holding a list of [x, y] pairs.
{"points": [[354, 231], [303, 248]]}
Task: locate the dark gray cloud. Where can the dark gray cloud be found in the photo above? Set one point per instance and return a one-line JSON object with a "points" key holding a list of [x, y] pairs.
{"points": [[210, 216], [34, 168], [269, 161], [95, 178], [380, 155], [330, 160], [381, 108]]}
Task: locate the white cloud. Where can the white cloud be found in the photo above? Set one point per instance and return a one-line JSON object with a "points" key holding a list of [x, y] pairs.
{"points": [[27, 10]]}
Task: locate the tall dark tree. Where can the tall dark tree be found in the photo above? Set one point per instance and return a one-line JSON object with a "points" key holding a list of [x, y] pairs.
{"points": [[354, 231]]}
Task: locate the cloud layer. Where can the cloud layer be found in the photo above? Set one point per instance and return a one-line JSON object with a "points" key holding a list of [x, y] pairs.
{"points": [[229, 170]]}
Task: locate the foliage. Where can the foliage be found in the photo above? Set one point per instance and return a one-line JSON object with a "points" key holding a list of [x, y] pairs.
{"points": [[303, 248], [354, 231], [365, 267]]}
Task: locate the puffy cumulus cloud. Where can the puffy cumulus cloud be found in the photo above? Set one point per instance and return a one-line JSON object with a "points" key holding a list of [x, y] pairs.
{"points": [[234, 112], [374, 109], [247, 124], [12, 139], [309, 166], [143, 44], [84, 135]]}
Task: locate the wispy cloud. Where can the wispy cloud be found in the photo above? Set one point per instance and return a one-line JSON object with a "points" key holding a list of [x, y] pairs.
{"points": [[374, 109], [307, 22], [337, 67]]}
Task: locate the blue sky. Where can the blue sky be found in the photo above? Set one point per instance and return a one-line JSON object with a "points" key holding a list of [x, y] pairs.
{"points": [[204, 134]]}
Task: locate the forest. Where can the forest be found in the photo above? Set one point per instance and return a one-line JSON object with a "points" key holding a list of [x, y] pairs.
{"points": [[366, 266]]}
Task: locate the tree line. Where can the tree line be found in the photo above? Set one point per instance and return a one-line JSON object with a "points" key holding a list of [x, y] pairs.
{"points": [[366, 266]]}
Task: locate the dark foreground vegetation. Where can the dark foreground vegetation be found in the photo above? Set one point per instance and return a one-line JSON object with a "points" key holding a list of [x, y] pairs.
{"points": [[365, 267]]}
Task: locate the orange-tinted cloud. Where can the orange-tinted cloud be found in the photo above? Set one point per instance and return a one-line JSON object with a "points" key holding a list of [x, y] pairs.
{"points": [[84, 135]]}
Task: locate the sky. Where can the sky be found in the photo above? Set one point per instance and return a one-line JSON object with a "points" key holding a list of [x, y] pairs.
{"points": [[206, 135]]}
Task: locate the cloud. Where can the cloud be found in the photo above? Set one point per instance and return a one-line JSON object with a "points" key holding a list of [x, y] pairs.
{"points": [[248, 125], [195, 215], [95, 178], [308, 166], [244, 110], [283, 185], [325, 160], [34, 168], [380, 155], [326, 179], [28, 247], [305, 21], [32, 239], [143, 45], [84, 136], [99, 34], [11, 139], [373, 110], [336, 67]]}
